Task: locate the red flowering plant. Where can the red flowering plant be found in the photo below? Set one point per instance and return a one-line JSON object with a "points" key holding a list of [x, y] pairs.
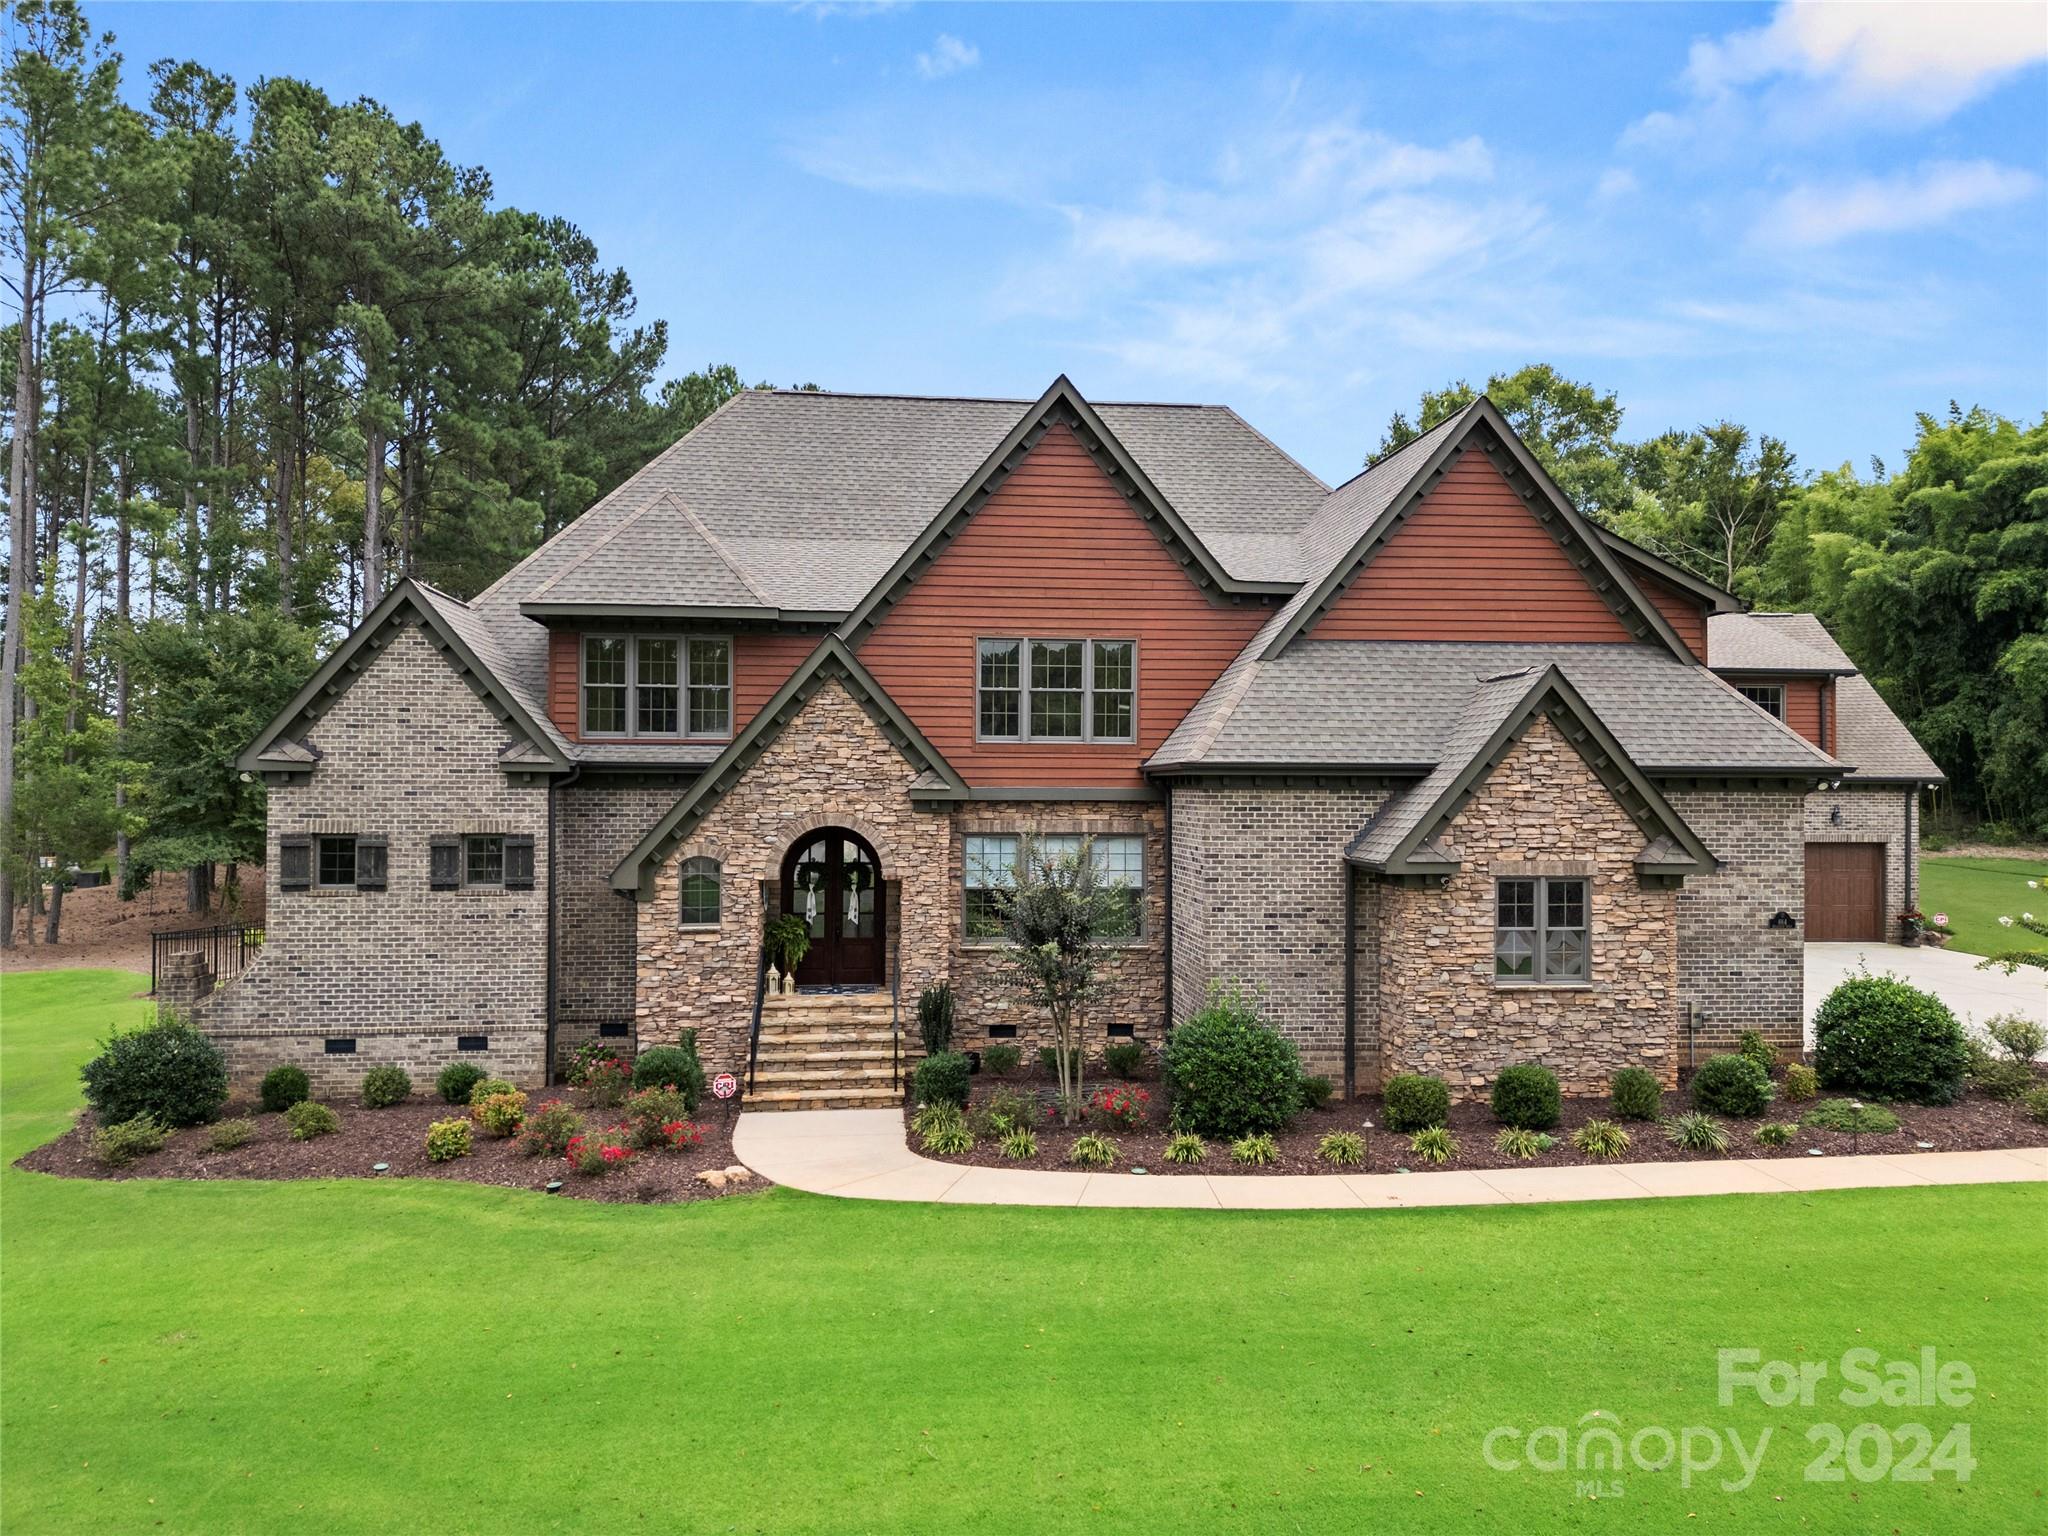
{"points": [[608, 1080], [650, 1112], [1122, 1106], [549, 1130], [680, 1134], [596, 1152]]}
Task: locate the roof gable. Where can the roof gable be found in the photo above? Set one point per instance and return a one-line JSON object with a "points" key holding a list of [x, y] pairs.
{"points": [[831, 661]]}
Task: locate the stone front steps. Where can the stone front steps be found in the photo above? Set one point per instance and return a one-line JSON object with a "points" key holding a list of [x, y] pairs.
{"points": [[827, 1051]]}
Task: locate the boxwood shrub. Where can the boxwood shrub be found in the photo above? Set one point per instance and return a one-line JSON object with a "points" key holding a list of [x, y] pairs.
{"points": [[676, 1066], [942, 1079], [283, 1087], [1415, 1102], [456, 1079], [1637, 1094], [168, 1071], [1731, 1085], [1527, 1097], [1880, 1038], [386, 1086], [1231, 1074]]}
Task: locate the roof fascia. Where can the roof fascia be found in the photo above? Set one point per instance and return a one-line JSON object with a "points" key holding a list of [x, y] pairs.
{"points": [[680, 611], [1720, 599]]}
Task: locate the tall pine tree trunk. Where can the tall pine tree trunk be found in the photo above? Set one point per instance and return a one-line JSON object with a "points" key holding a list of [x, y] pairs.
{"points": [[124, 555], [373, 516], [71, 706], [20, 544]]}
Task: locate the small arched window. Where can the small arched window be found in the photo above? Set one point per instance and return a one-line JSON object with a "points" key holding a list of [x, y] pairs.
{"points": [[700, 893]]}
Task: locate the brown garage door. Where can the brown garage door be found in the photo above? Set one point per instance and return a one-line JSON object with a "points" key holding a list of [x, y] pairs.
{"points": [[1845, 891]]}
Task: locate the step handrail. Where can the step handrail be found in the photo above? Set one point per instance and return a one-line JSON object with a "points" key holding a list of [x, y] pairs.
{"points": [[760, 996], [895, 1010]]}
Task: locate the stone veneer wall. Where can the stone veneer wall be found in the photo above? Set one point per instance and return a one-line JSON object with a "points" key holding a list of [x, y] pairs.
{"points": [[597, 822], [829, 767], [1134, 984], [1873, 813], [1733, 967], [1542, 811], [408, 752], [1258, 896]]}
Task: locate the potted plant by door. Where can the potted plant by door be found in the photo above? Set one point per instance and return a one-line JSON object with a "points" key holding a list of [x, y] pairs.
{"points": [[788, 940]]}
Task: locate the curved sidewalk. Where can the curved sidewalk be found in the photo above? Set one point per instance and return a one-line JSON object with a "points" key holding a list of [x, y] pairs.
{"points": [[861, 1154]]}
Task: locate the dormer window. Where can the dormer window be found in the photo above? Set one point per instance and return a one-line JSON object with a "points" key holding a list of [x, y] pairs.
{"points": [[1056, 690], [1768, 697], [657, 685]]}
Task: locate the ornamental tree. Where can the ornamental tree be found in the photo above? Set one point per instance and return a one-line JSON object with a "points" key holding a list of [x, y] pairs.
{"points": [[1053, 924]]}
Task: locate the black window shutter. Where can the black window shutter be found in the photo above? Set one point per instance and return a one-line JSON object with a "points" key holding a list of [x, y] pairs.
{"points": [[294, 863], [518, 863], [370, 863], [444, 867]]}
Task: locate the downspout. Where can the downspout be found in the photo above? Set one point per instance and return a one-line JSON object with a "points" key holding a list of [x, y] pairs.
{"points": [[1912, 862], [1350, 981], [1166, 1007], [555, 788]]}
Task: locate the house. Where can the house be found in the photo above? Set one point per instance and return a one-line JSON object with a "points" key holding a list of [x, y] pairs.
{"points": [[1452, 774]]}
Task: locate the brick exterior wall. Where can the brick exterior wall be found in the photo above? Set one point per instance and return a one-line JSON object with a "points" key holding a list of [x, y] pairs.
{"points": [[596, 928], [408, 753], [1873, 813], [1733, 967], [1542, 811]]}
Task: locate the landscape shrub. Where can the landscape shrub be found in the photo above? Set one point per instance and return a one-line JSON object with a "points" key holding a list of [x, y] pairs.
{"points": [[1774, 1133], [1697, 1132], [2019, 1037], [1186, 1148], [1122, 1106], [1601, 1138], [586, 1056], [1232, 1075], [119, 1144], [1255, 1151], [1433, 1144], [1316, 1091], [1415, 1102], [1878, 1037], [648, 1113], [935, 1019], [949, 1138], [489, 1087], [681, 1135], [928, 1115], [1123, 1059], [283, 1087], [1751, 1044], [1007, 1110], [168, 1071], [1093, 1151], [1801, 1082], [608, 1080], [1520, 1141], [1527, 1097], [386, 1086], [456, 1079], [599, 1152], [226, 1135], [1001, 1059], [448, 1140], [1020, 1143], [499, 1115], [942, 1079], [2004, 1079], [677, 1066], [549, 1129], [2035, 1101], [1636, 1094], [1346, 1149], [309, 1119], [1731, 1085], [1846, 1116], [1049, 1061]]}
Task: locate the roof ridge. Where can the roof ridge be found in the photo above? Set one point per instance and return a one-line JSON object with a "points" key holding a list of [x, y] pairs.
{"points": [[1238, 416], [717, 548], [638, 512], [884, 394]]}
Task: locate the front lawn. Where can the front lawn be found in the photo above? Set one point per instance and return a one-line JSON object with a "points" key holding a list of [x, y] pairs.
{"points": [[1975, 892], [357, 1356]]}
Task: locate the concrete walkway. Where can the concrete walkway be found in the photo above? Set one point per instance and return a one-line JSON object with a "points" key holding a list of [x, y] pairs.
{"points": [[861, 1154]]}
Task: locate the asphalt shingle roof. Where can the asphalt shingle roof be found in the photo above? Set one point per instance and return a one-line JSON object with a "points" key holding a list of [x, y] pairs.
{"points": [[1486, 707], [1773, 642], [1873, 739]]}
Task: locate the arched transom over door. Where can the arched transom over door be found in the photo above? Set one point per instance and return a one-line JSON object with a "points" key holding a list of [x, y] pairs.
{"points": [[832, 880]]}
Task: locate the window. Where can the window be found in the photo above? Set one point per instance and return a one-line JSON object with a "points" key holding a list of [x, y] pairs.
{"points": [[1768, 697], [1540, 930], [1056, 690], [656, 685], [337, 861], [483, 861], [990, 875], [700, 893]]}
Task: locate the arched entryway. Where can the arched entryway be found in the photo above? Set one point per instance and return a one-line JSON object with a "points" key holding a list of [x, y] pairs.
{"points": [[832, 879]]}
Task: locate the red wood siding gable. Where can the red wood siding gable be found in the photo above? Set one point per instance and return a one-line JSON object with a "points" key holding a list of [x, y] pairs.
{"points": [[1685, 613], [1809, 702], [1056, 552]]}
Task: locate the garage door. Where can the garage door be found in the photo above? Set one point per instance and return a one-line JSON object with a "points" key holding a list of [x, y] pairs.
{"points": [[1845, 892]]}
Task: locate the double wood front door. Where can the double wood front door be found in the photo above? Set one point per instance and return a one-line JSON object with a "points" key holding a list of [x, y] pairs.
{"points": [[832, 880]]}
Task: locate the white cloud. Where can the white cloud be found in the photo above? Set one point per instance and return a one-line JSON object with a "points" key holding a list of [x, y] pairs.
{"points": [[948, 56], [1141, 238], [1615, 183], [1935, 193]]}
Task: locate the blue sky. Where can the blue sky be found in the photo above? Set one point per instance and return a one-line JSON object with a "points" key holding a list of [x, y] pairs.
{"points": [[1815, 220]]}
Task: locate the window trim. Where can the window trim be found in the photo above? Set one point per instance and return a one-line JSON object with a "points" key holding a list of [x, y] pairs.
{"points": [[1537, 976], [1024, 735], [632, 638], [469, 884], [718, 883], [1142, 936], [320, 880], [1747, 689]]}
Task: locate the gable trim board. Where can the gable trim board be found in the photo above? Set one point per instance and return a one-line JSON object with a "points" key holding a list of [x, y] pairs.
{"points": [[1401, 838], [937, 784], [1480, 424], [275, 754], [1717, 599]]}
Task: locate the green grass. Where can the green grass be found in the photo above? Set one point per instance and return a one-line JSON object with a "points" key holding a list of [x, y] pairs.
{"points": [[1976, 892], [347, 1356]]}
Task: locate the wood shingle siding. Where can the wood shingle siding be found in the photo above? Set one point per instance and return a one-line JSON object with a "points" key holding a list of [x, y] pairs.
{"points": [[1056, 553], [1686, 614], [1471, 563]]}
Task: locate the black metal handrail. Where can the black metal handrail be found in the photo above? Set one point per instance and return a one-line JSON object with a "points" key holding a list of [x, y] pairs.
{"points": [[895, 1008], [760, 996], [227, 948]]}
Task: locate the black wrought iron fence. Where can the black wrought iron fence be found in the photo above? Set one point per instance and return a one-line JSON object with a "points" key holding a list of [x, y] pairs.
{"points": [[228, 949]]}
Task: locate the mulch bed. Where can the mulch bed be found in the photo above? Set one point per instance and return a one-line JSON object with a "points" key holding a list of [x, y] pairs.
{"points": [[1974, 1123], [397, 1136]]}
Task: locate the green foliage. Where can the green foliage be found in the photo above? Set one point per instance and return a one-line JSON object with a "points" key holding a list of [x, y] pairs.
{"points": [[675, 1066], [1049, 1061], [1255, 1151], [167, 1070], [1093, 1151], [1527, 1097], [448, 1140], [1346, 1149], [1847, 1116], [1008, 1110], [284, 1086], [2035, 1102], [1801, 1082], [949, 1137], [1415, 1102], [1186, 1147], [1001, 1059], [648, 1114], [928, 1115], [1731, 1085], [2019, 1037], [1123, 1059], [1880, 1038], [935, 1018], [226, 1135], [1754, 1047], [788, 940], [1020, 1144], [1697, 1132], [488, 1087], [1316, 1091], [1230, 1073], [499, 1115], [309, 1119], [119, 1144], [1601, 1138], [942, 1079], [1774, 1133], [456, 1081], [386, 1086], [1433, 1144], [1520, 1141], [1058, 913], [549, 1130], [2004, 1079], [1636, 1094]]}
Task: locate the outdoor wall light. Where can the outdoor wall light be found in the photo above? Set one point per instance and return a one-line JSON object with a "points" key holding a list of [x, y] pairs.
{"points": [[1835, 816]]}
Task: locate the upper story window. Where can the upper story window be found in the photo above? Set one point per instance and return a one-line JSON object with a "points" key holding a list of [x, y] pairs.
{"points": [[1539, 931], [1768, 697], [1056, 690], [657, 685]]}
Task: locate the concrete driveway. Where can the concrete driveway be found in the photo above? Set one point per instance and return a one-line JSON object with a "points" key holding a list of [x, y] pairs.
{"points": [[1972, 995]]}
